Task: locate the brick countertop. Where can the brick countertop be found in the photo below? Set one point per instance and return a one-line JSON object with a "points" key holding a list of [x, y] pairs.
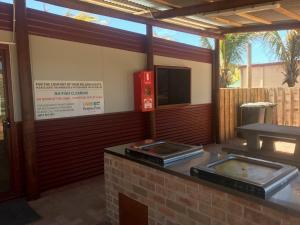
{"points": [[287, 200]]}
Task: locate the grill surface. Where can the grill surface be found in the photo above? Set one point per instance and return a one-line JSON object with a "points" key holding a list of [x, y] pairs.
{"points": [[250, 175], [163, 153]]}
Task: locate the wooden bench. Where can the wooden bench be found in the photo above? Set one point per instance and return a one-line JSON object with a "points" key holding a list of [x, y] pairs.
{"points": [[256, 132]]}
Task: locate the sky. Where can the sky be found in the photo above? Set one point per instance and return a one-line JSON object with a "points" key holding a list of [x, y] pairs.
{"points": [[259, 53]]}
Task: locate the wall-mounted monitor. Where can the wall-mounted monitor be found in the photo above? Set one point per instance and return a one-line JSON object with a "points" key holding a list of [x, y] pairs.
{"points": [[173, 85]]}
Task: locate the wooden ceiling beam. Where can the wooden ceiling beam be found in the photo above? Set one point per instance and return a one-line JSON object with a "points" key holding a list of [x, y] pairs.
{"points": [[228, 22], [287, 13], [207, 8], [112, 6], [254, 18], [101, 10], [200, 23], [163, 2], [262, 28]]}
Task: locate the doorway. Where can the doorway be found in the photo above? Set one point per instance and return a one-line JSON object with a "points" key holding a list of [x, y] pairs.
{"points": [[8, 135], [4, 156]]}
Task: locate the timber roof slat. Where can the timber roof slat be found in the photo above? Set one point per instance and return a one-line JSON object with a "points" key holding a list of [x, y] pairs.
{"points": [[202, 17]]}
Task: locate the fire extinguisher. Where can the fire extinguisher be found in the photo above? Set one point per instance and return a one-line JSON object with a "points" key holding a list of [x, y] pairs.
{"points": [[144, 91]]}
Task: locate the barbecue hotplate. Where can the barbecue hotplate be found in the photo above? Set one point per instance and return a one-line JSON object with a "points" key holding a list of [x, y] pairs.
{"points": [[162, 152], [253, 176]]}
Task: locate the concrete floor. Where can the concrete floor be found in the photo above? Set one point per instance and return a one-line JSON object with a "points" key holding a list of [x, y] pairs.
{"points": [[82, 203]]}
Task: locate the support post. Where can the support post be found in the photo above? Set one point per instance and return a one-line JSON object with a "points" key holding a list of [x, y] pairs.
{"points": [[150, 66], [216, 91], [25, 81], [249, 65]]}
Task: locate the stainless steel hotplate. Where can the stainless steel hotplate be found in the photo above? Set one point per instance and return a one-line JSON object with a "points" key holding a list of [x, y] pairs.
{"points": [[162, 152], [250, 175]]}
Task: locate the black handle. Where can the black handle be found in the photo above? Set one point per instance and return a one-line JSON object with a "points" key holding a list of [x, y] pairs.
{"points": [[6, 123]]}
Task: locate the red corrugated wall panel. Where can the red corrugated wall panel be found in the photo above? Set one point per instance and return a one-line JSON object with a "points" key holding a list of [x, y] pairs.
{"points": [[60, 27], [64, 28], [6, 13], [71, 149], [182, 51], [188, 124]]}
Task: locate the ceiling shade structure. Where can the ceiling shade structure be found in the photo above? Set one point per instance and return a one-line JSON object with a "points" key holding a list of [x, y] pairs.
{"points": [[211, 18]]}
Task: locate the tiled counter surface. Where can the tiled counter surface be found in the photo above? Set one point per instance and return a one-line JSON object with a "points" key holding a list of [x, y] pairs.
{"points": [[174, 197]]}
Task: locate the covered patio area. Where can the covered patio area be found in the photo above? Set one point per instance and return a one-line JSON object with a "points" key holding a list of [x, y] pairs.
{"points": [[106, 118]]}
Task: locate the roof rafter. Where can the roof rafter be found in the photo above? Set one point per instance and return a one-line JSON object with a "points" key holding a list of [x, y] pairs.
{"points": [[288, 13], [192, 21], [262, 28], [228, 22], [207, 7], [164, 2], [254, 18], [105, 11]]}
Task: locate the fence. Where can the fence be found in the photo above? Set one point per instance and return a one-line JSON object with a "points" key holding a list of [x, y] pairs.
{"points": [[287, 111]]}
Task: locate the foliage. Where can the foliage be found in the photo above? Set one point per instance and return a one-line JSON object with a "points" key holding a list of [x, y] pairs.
{"points": [[286, 50], [232, 48], [82, 16]]}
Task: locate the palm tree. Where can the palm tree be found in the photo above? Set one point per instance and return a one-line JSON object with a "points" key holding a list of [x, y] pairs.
{"points": [[232, 48], [286, 50]]}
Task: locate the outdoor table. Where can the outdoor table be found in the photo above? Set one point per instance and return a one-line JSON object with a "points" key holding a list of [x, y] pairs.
{"points": [[254, 132]]}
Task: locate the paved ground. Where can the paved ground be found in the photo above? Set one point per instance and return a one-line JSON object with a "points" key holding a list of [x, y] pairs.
{"points": [[82, 203], [4, 168]]}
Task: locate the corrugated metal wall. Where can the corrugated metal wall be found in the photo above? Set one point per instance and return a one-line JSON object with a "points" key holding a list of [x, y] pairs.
{"points": [[71, 149], [6, 19], [188, 124], [182, 51], [60, 27]]}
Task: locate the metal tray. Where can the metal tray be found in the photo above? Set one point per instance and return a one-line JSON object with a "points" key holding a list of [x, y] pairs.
{"points": [[163, 152], [250, 175]]}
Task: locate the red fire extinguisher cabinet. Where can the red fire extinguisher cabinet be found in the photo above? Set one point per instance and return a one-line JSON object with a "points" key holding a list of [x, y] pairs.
{"points": [[144, 91]]}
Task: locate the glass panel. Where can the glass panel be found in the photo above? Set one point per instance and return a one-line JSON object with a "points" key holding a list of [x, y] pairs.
{"points": [[88, 17], [4, 157], [182, 37]]}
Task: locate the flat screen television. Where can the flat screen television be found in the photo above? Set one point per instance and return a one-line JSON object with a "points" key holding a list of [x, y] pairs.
{"points": [[173, 85]]}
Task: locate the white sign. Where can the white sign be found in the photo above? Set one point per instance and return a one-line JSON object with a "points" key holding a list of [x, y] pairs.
{"points": [[56, 99]]}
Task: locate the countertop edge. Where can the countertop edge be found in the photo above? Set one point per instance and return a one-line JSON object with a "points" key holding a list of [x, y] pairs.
{"points": [[263, 202]]}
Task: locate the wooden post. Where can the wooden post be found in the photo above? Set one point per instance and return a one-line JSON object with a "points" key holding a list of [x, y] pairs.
{"points": [[28, 124], [216, 91], [249, 65], [150, 66]]}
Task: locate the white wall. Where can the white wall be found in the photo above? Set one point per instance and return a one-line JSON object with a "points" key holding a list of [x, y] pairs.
{"points": [[201, 77], [53, 59]]}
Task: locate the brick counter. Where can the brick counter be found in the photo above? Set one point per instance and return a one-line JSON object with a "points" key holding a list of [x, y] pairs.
{"points": [[172, 200]]}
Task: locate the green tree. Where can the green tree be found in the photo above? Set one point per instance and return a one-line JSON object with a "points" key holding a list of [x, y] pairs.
{"points": [[287, 50], [232, 48]]}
